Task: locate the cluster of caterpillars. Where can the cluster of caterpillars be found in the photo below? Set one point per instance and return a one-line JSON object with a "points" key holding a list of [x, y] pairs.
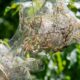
{"points": [[54, 29]]}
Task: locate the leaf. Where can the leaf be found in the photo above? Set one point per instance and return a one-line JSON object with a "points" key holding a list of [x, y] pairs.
{"points": [[60, 62], [36, 6]]}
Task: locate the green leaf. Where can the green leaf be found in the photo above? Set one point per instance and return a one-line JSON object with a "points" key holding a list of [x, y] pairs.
{"points": [[37, 4]]}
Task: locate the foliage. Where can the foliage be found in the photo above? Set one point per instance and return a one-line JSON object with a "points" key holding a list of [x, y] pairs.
{"points": [[61, 65], [5, 42], [8, 18]]}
